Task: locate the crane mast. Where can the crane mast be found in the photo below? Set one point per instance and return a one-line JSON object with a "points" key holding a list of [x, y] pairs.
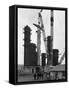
{"points": [[38, 41], [43, 32], [40, 27]]}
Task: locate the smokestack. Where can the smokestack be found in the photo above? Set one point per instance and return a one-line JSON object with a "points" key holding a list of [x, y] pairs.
{"points": [[50, 42], [52, 20]]}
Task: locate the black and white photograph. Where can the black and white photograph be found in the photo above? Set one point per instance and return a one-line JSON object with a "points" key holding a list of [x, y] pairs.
{"points": [[41, 45], [38, 44]]}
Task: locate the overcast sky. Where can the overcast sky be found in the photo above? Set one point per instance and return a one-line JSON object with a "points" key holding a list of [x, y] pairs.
{"points": [[30, 16]]}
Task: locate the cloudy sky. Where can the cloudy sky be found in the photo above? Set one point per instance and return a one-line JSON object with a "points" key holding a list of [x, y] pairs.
{"points": [[30, 16]]}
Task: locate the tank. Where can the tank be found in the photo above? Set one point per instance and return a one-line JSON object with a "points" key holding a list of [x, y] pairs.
{"points": [[49, 50], [43, 58], [55, 57]]}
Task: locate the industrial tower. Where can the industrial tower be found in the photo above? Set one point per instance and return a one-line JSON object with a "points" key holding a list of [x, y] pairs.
{"points": [[50, 42], [30, 54]]}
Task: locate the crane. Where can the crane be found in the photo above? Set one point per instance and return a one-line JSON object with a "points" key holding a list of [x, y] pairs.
{"points": [[38, 41], [44, 34], [43, 30]]}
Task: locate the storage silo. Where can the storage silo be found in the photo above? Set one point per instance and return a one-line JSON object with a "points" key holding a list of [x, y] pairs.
{"points": [[43, 59], [55, 57], [49, 51]]}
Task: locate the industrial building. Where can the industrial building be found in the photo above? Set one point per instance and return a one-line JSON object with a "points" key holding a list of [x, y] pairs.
{"points": [[31, 57], [43, 65], [30, 54]]}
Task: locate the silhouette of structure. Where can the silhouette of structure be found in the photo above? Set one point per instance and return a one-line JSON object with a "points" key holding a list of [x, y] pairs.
{"points": [[43, 59], [49, 51], [52, 54], [55, 57], [30, 54]]}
